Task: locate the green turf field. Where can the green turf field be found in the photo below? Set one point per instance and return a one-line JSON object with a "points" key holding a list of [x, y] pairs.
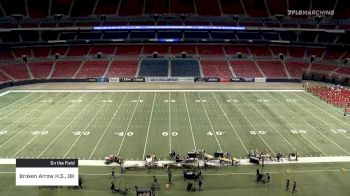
{"points": [[91, 125]]}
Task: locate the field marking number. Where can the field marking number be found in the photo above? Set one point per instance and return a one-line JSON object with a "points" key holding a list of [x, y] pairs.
{"points": [[130, 133], [172, 133], [40, 132], [262, 100], [258, 132], [338, 131], [201, 100], [232, 100], [216, 132], [46, 101], [3, 132], [300, 131], [75, 101], [81, 133], [291, 100], [167, 101]]}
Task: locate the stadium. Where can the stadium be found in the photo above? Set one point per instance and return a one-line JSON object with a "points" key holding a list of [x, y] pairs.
{"points": [[175, 97]]}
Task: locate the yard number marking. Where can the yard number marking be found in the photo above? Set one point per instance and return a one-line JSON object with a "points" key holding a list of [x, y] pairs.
{"points": [[75, 101], [291, 100], [167, 101], [46, 101], [338, 131], [121, 134], [172, 133], [3, 132], [106, 101], [201, 100], [135, 101], [81, 133], [258, 132], [300, 131], [216, 132], [232, 100], [262, 100], [40, 132]]}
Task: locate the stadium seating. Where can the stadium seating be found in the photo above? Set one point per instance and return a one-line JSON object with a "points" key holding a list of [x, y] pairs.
{"points": [[92, 69], [260, 51], [41, 52], [184, 68], [123, 68], [344, 70], [4, 78], [210, 50], [273, 69], [78, 50], [154, 67], [178, 49], [323, 67], [40, 70], [296, 69], [232, 50], [245, 69], [105, 49], [216, 68], [66, 69], [160, 49], [128, 50], [16, 71], [5, 55]]}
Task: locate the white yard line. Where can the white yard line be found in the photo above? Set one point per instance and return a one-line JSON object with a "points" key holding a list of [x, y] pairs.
{"points": [[162, 90], [189, 121], [230, 124], [21, 107], [28, 113], [87, 126], [16, 101], [296, 103], [109, 124], [127, 128], [149, 126], [269, 122], [290, 124], [169, 127], [5, 93], [327, 115], [212, 128], [24, 128], [66, 127], [257, 132], [47, 126]]}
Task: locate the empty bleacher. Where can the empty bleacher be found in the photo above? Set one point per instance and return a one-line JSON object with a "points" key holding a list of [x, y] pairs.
{"points": [[184, 68], [40, 70], [92, 69], [245, 69], [16, 71], [65, 69], [273, 69], [216, 68], [125, 68], [154, 67]]}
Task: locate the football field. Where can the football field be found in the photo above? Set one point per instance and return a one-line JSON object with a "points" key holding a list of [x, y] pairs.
{"points": [[90, 125]]}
